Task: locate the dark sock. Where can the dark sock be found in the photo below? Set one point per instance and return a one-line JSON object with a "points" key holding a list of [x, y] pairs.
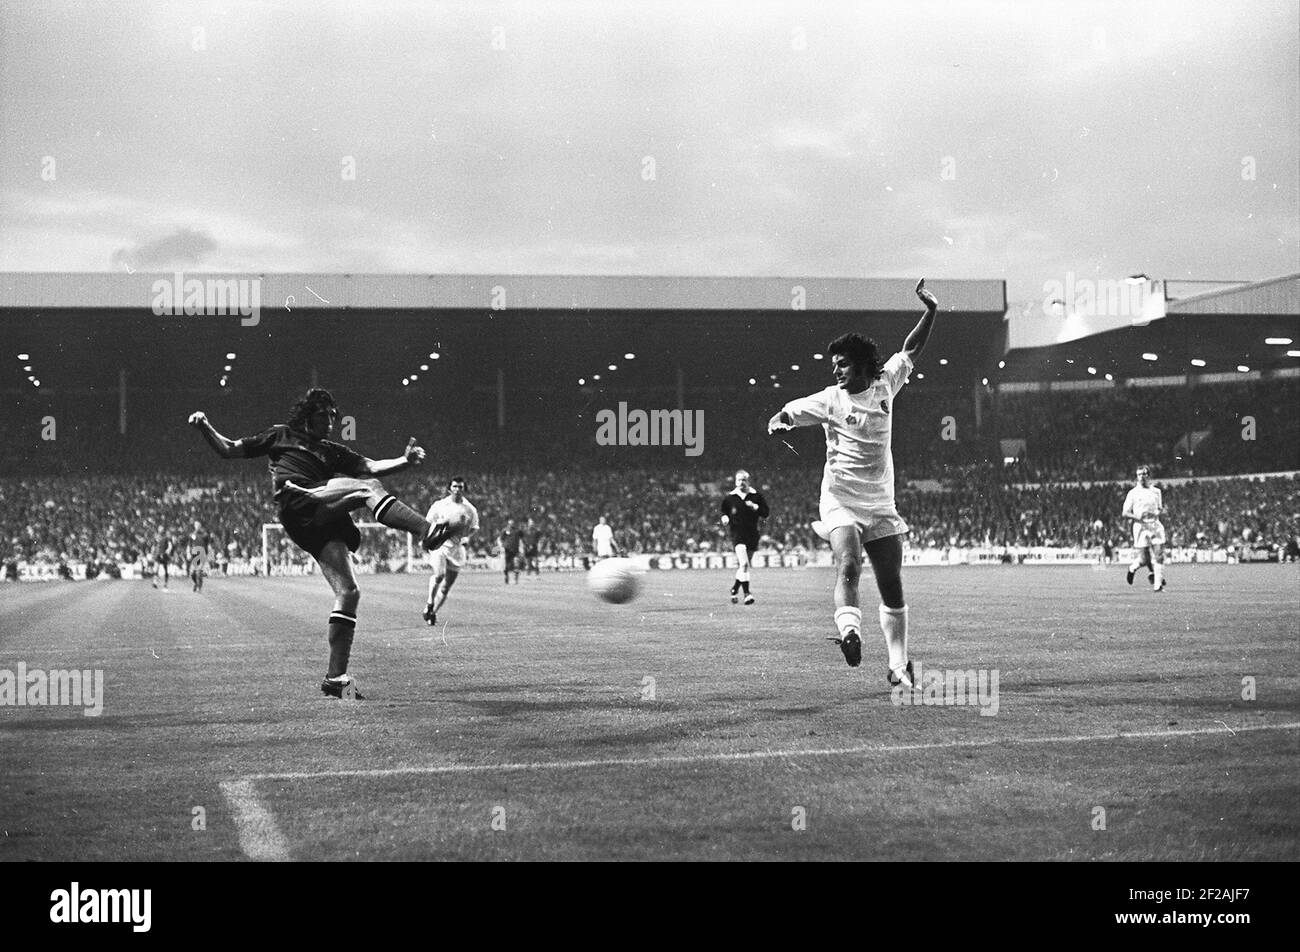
{"points": [[745, 586], [396, 514], [735, 586], [342, 627]]}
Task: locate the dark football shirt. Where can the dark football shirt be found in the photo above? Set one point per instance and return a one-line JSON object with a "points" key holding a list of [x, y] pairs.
{"points": [[300, 457], [510, 539], [198, 547], [743, 522]]}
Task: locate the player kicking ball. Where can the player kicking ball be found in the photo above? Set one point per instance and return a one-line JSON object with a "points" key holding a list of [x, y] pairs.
{"points": [[317, 484], [453, 510], [1144, 505], [857, 493], [741, 510]]}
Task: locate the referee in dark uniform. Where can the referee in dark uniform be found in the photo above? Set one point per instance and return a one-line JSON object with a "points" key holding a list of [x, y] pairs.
{"points": [[741, 510]]}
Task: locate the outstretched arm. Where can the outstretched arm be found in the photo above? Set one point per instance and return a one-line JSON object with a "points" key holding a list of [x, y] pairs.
{"points": [[413, 455], [921, 333], [782, 421], [226, 449]]}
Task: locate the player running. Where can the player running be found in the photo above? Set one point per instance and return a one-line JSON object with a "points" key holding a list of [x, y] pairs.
{"points": [[162, 557], [857, 493], [532, 548], [741, 510], [448, 559], [510, 540], [1144, 505], [317, 485], [197, 547], [602, 540]]}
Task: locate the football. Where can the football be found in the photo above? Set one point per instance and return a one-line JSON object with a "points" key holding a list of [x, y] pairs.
{"points": [[614, 580]]}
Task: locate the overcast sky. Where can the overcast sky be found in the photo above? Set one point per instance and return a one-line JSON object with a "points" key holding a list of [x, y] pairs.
{"points": [[1015, 140]]}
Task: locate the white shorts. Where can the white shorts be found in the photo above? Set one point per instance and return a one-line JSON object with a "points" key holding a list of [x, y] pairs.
{"points": [[450, 555], [872, 522], [604, 552], [1148, 533]]}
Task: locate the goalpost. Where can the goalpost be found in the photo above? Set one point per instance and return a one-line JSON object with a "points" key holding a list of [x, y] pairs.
{"points": [[382, 549]]}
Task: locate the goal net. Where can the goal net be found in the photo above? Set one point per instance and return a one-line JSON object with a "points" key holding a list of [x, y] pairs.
{"points": [[382, 550]]}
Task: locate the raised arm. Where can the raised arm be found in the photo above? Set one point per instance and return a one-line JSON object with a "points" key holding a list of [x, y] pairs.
{"points": [[921, 333], [226, 449], [413, 455]]}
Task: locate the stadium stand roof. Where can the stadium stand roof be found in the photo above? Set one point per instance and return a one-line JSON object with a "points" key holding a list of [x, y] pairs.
{"points": [[111, 290], [1255, 325], [544, 330], [1275, 297]]}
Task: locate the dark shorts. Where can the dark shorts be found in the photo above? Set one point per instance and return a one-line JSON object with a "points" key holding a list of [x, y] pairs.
{"points": [[749, 542], [300, 525]]}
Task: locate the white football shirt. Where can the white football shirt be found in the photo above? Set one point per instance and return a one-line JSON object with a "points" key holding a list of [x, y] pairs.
{"points": [[447, 509], [859, 435], [1145, 502]]}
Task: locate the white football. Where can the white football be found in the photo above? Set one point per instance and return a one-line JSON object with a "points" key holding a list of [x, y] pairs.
{"points": [[614, 580]]}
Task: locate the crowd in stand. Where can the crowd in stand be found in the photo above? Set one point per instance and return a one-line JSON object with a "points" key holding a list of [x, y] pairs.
{"points": [[1217, 429], [121, 519], [955, 488]]}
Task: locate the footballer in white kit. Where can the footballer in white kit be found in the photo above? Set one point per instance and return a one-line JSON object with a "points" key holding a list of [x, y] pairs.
{"points": [[449, 558], [602, 540], [857, 491], [1144, 505]]}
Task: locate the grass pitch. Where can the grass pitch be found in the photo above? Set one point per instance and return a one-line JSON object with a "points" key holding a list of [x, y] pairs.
{"points": [[537, 723]]}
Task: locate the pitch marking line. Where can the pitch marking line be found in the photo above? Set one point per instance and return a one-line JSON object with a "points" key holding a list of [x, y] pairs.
{"points": [[259, 837], [749, 755]]}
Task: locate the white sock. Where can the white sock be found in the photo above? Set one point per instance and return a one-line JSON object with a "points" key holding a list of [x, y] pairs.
{"points": [[848, 617], [893, 622], [1159, 569]]}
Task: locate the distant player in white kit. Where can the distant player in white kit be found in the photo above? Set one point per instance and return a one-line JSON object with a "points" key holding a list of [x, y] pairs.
{"points": [[857, 494], [602, 539], [1144, 505], [449, 558]]}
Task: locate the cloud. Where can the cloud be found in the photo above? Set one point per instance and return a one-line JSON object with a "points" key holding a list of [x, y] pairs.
{"points": [[183, 248]]}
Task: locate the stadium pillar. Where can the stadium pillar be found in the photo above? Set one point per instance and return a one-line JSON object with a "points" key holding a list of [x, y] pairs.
{"points": [[121, 401], [681, 389], [979, 407], [501, 399]]}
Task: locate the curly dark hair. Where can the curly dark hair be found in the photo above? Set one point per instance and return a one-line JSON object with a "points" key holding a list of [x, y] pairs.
{"points": [[317, 399], [861, 351]]}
